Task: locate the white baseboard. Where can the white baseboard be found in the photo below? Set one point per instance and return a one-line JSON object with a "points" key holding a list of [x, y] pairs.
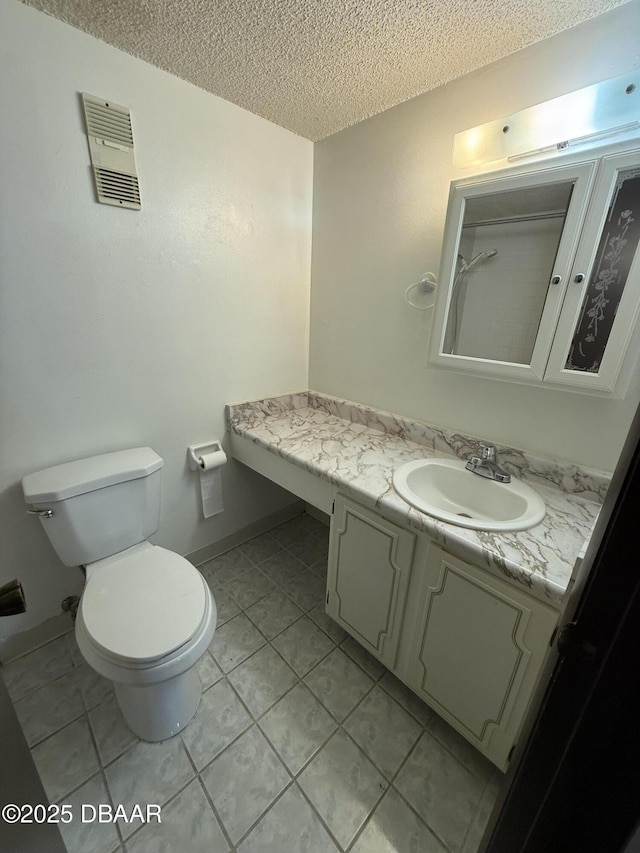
{"points": [[27, 641]]}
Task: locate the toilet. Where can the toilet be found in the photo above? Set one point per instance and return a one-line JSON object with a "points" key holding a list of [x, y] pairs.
{"points": [[146, 615]]}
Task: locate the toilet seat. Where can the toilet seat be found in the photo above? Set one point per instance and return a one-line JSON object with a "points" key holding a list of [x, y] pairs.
{"points": [[143, 605]]}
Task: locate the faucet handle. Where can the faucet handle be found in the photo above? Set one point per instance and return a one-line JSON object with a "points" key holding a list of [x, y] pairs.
{"points": [[488, 450]]}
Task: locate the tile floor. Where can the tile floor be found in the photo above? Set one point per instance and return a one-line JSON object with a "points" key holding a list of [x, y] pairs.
{"points": [[302, 741]]}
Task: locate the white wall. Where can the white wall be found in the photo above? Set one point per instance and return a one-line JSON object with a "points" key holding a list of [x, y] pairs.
{"points": [[380, 199], [120, 328]]}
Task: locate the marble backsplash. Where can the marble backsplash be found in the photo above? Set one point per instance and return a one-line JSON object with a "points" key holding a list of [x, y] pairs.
{"points": [[570, 478]]}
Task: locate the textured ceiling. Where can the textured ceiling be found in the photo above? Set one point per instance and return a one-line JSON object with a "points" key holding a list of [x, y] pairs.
{"points": [[318, 66]]}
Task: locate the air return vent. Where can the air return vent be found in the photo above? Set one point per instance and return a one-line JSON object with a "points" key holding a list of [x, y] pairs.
{"points": [[111, 148]]}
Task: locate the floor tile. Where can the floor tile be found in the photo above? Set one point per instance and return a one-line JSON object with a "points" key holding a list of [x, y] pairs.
{"points": [[297, 726], [300, 527], [225, 568], [262, 680], [74, 651], [225, 606], [303, 645], [66, 759], [384, 730], [274, 613], [208, 671], [328, 625], [311, 550], [220, 718], [282, 568], [148, 773], [321, 569], [260, 548], [395, 828], [188, 824], [234, 642], [113, 736], [244, 781], [289, 827], [47, 709], [306, 589], [480, 820], [407, 698], [443, 792], [37, 668], [363, 658], [81, 836], [250, 587], [296, 529], [338, 683], [94, 687], [343, 785], [460, 748]]}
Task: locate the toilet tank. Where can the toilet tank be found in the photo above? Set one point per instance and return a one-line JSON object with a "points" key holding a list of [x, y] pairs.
{"points": [[99, 505]]}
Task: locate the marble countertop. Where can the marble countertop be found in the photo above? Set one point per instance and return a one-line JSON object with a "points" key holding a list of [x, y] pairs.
{"points": [[357, 448]]}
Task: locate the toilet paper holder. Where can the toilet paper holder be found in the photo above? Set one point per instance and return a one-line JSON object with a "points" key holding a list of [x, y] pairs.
{"points": [[196, 451]]}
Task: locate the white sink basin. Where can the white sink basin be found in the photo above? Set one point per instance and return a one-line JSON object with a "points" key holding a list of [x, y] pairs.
{"points": [[445, 489]]}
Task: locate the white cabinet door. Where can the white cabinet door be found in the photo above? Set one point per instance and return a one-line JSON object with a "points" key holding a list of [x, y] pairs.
{"points": [[477, 651], [508, 246], [369, 566]]}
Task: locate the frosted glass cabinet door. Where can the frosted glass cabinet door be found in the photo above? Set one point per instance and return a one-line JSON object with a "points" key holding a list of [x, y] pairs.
{"points": [[603, 295], [477, 651], [369, 567]]}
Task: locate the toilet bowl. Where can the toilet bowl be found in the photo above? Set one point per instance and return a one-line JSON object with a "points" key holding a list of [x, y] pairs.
{"points": [[146, 615]]}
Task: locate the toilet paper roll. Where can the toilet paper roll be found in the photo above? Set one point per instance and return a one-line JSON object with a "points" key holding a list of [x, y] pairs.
{"points": [[209, 461], [211, 482]]}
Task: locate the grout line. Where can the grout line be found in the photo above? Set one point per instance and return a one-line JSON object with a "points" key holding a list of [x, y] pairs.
{"points": [[320, 818], [263, 814], [392, 784], [203, 787], [221, 825]]}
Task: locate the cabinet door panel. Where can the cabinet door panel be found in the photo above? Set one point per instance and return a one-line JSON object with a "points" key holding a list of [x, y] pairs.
{"points": [[466, 625], [369, 565], [477, 651], [602, 300]]}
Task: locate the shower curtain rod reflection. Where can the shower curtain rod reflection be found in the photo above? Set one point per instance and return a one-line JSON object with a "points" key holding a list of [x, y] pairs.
{"points": [[525, 217]]}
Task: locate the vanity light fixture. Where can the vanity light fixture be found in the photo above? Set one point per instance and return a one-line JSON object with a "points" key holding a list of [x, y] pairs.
{"points": [[578, 140], [578, 118]]}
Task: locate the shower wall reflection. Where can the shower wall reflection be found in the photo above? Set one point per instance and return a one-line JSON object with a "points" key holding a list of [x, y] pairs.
{"points": [[507, 249]]}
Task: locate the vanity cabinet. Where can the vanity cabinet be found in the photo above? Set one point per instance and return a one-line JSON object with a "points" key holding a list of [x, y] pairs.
{"points": [[476, 650], [467, 642], [540, 275], [368, 576]]}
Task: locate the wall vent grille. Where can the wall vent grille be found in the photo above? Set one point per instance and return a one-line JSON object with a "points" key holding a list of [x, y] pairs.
{"points": [[117, 187], [109, 122], [110, 138]]}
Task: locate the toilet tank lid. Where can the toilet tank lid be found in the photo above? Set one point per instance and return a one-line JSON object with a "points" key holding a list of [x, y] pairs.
{"points": [[87, 475]]}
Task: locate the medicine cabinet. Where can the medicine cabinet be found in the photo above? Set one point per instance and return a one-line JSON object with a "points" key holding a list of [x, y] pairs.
{"points": [[540, 277]]}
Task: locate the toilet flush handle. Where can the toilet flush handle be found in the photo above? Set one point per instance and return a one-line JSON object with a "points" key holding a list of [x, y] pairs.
{"points": [[41, 513]]}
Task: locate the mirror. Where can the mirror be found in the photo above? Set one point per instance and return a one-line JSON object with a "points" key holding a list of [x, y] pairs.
{"points": [[504, 262]]}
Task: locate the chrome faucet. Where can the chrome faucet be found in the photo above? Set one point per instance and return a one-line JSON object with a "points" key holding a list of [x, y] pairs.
{"points": [[486, 465]]}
